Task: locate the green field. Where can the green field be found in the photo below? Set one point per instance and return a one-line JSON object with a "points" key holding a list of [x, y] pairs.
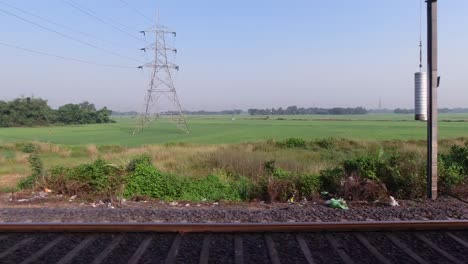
{"points": [[222, 129]]}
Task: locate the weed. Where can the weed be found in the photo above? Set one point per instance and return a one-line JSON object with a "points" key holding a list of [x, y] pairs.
{"points": [[292, 143], [28, 148], [308, 185], [331, 179], [92, 150], [37, 169], [211, 188], [453, 167]]}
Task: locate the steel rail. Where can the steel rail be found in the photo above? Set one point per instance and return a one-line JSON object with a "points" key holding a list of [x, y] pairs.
{"points": [[237, 227]]}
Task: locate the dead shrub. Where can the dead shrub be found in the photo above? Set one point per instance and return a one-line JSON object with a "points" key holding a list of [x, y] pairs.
{"points": [[361, 189], [21, 158], [280, 190], [92, 150], [237, 162]]}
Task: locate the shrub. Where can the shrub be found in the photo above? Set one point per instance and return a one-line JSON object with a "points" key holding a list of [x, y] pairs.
{"points": [[27, 183], [146, 180], [37, 169], [453, 167], [277, 185], [245, 187], [142, 159], [404, 175], [211, 188], [88, 180], [94, 176], [308, 185], [364, 166], [292, 143], [29, 148], [281, 189], [358, 188], [327, 143], [331, 179], [57, 180]]}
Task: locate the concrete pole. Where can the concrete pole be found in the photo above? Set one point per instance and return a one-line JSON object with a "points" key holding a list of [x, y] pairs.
{"points": [[433, 84]]}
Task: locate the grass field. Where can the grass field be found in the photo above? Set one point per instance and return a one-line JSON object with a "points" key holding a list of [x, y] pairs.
{"points": [[222, 129], [218, 143]]}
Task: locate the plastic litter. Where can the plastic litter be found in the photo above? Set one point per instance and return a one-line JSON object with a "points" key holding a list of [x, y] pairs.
{"points": [[337, 203], [393, 202]]}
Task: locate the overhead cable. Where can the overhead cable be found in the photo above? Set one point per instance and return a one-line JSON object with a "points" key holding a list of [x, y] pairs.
{"points": [[54, 23], [69, 37], [137, 11], [93, 15], [65, 58]]}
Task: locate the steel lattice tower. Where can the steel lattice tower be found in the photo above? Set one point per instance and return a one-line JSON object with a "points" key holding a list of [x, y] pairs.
{"points": [[161, 83]]}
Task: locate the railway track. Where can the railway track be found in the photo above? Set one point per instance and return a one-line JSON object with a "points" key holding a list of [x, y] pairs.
{"points": [[343, 242]]}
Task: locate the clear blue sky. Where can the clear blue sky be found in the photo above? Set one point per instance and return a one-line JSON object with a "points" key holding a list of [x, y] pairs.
{"points": [[238, 54]]}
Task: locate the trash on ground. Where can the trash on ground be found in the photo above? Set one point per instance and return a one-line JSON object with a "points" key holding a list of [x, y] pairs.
{"points": [[393, 202], [337, 203]]}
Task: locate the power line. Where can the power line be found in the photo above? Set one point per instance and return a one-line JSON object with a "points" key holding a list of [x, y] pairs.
{"points": [[65, 58], [54, 23], [137, 11], [93, 14], [69, 37]]}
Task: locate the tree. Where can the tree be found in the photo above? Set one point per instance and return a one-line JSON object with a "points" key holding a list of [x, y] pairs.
{"points": [[25, 112], [36, 112]]}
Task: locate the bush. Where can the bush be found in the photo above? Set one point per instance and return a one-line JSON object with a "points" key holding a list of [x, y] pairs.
{"points": [[364, 166], [142, 159], [292, 143], [245, 187], [29, 148], [327, 143], [358, 188], [277, 185], [57, 180], [37, 170], [94, 177], [331, 179], [27, 183], [453, 167], [308, 185], [88, 180], [404, 175], [146, 180], [211, 188]]}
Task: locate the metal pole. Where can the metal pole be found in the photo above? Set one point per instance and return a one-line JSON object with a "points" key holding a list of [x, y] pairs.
{"points": [[433, 83]]}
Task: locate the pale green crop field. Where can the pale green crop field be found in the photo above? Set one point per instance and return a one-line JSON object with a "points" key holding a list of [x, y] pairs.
{"points": [[245, 128]]}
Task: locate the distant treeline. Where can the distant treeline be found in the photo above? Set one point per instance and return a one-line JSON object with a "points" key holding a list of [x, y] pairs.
{"points": [[223, 112], [441, 110], [28, 111], [129, 113], [186, 112], [294, 110]]}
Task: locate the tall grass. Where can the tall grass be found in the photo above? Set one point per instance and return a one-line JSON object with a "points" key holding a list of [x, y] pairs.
{"points": [[196, 161]]}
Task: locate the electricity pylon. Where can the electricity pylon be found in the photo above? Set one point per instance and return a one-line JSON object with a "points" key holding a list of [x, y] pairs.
{"points": [[161, 83]]}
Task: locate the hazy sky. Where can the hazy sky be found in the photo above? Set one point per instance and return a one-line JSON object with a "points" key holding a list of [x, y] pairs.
{"points": [[236, 54]]}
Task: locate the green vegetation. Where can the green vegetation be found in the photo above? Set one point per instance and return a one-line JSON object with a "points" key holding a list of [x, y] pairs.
{"points": [[223, 130], [294, 110], [276, 159], [282, 171], [29, 112]]}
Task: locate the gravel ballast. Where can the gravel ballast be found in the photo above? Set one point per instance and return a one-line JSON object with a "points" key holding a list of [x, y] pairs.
{"points": [[442, 209]]}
